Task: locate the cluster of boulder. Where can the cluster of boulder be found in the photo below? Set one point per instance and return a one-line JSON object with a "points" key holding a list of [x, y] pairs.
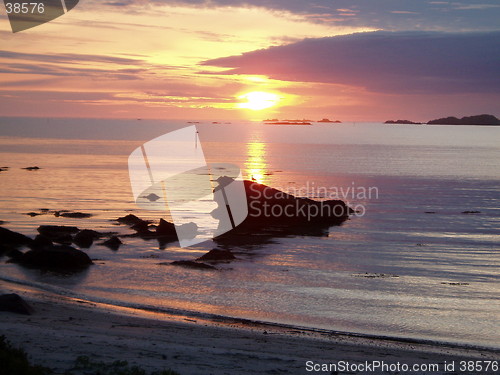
{"points": [[49, 250], [52, 248], [271, 213]]}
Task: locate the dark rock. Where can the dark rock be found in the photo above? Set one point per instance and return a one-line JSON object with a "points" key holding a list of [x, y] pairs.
{"points": [[471, 212], [75, 215], [55, 230], [41, 241], [32, 168], [14, 255], [217, 255], [58, 233], [142, 228], [14, 303], [33, 214], [271, 210], [131, 220], [14, 239], [191, 264], [113, 243], [166, 229], [468, 120], [4, 249], [65, 239], [57, 258], [85, 238], [152, 197]]}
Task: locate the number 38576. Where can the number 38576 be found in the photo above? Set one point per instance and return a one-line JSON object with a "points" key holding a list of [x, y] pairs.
{"points": [[25, 8]]}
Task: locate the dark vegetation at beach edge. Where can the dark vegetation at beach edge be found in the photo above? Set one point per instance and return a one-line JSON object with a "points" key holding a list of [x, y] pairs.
{"points": [[15, 362]]}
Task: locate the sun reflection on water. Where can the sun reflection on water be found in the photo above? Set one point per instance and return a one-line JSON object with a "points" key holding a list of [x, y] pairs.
{"points": [[256, 165]]}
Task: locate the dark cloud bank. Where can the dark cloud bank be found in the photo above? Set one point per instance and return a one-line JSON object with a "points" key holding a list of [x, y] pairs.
{"points": [[381, 14], [387, 62]]}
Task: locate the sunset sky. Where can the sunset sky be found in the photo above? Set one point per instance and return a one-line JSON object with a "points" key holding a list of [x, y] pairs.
{"points": [[353, 60]]}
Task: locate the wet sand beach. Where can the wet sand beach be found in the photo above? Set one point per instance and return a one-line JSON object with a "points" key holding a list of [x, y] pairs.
{"points": [[61, 329]]}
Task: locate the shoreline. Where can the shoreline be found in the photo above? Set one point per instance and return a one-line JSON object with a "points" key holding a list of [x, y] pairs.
{"points": [[175, 314], [155, 340]]}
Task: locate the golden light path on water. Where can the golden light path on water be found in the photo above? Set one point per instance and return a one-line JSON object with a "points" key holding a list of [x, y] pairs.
{"points": [[256, 165]]}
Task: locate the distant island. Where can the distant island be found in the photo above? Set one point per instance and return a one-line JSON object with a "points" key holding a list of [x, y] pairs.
{"points": [[468, 120], [288, 122], [330, 121], [276, 121], [402, 122]]}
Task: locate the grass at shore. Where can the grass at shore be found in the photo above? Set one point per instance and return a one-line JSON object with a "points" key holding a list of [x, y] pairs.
{"points": [[15, 362]]}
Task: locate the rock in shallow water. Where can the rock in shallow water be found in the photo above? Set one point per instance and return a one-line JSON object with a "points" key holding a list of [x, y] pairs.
{"points": [[74, 215], [14, 303], [13, 239], [57, 258], [190, 264], [113, 243], [85, 238], [217, 255], [131, 220]]}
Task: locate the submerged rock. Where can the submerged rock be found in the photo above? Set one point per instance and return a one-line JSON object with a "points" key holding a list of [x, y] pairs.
{"points": [[74, 215], [15, 303], [191, 264], [56, 230], [58, 233], [131, 219], [113, 243], [41, 241], [86, 237], [32, 168], [217, 255], [14, 255], [57, 257], [152, 197]]}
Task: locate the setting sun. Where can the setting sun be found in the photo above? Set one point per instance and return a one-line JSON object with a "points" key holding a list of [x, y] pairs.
{"points": [[257, 100]]}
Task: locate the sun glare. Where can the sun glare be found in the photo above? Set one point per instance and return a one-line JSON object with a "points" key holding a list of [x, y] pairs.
{"points": [[257, 100]]}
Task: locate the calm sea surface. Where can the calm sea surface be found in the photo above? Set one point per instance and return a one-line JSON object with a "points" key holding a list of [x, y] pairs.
{"points": [[441, 270]]}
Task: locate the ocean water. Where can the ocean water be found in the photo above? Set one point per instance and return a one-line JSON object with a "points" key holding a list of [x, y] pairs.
{"points": [[393, 270]]}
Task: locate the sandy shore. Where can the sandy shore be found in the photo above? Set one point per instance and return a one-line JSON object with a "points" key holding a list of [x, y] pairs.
{"points": [[62, 329]]}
